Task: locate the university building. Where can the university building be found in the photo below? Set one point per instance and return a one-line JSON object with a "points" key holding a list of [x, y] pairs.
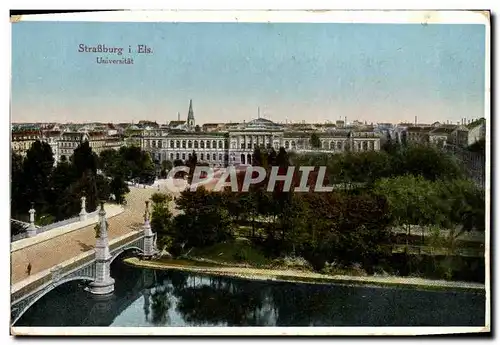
{"points": [[234, 145]]}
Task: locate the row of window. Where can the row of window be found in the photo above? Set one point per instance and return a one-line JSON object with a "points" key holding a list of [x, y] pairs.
{"points": [[364, 145], [254, 145], [201, 157], [332, 145], [70, 144], [190, 144], [29, 137]]}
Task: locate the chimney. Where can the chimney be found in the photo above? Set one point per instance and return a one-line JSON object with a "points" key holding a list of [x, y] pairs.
{"points": [[345, 120], [178, 116], [415, 120]]}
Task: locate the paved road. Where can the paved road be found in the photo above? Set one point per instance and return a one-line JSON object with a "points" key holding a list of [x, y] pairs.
{"points": [[47, 254]]}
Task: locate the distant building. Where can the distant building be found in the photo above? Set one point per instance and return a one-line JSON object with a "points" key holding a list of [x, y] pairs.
{"points": [[113, 142], [68, 142], [184, 125], [476, 131], [52, 137], [213, 127], [418, 134], [150, 124], [23, 137], [235, 144], [441, 134]]}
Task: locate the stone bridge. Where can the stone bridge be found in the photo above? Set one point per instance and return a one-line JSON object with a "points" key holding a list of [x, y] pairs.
{"points": [[92, 266]]}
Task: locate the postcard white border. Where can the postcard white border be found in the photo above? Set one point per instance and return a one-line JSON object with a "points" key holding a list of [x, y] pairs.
{"points": [[254, 331], [275, 16], [292, 16]]}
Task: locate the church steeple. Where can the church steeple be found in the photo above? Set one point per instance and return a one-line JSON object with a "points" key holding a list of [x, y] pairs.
{"points": [[190, 118]]}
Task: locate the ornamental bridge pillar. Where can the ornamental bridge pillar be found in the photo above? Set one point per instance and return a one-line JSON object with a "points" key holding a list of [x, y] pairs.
{"points": [[149, 237], [103, 283]]}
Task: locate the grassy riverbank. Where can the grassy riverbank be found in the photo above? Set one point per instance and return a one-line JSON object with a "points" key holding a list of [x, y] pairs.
{"points": [[301, 276]]}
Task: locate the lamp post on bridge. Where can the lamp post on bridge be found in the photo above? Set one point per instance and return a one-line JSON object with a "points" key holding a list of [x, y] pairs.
{"points": [[32, 228], [103, 283]]}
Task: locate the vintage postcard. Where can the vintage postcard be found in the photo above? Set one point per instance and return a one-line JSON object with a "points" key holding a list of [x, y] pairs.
{"points": [[250, 173]]}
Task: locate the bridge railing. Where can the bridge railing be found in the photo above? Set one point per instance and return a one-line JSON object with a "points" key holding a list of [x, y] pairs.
{"points": [[31, 286], [45, 276], [124, 240], [52, 226], [64, 222], [20, 236]]}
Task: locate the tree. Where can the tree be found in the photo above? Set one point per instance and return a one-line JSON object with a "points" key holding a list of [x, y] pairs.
{"points": [[203, 221], [412, 201], [191, 164], [478, 146], [147, 169], [108, 161], [103, 188], [462, 205], [259, 158], [88, 188], [17, 184], [36, 177], [85, 165], [161, 198], [85, 160], [119, 188], [315, 141], [161, 217], [63, 176], [271, 158], [364, 230], [165, 167], [249, 207], [426, 161]]}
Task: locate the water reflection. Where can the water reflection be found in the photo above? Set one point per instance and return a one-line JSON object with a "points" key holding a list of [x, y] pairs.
{"points": [[174, 298]]}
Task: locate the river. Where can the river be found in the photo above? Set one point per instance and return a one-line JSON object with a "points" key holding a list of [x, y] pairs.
{"points": [[173, 298]]}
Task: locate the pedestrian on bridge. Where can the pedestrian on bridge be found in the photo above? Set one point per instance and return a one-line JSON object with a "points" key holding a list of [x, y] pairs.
{"points": [[28, 269]]}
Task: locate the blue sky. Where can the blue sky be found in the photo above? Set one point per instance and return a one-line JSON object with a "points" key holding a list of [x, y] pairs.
{"points": [[294, 72]]}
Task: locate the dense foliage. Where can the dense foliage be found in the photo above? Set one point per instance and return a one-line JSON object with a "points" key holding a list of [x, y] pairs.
{"points": [[128, 163], [398, 187], [56, 190]]}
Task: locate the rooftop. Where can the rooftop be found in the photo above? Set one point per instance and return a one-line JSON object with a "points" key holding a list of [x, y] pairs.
{"points": [[260, 124]]}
